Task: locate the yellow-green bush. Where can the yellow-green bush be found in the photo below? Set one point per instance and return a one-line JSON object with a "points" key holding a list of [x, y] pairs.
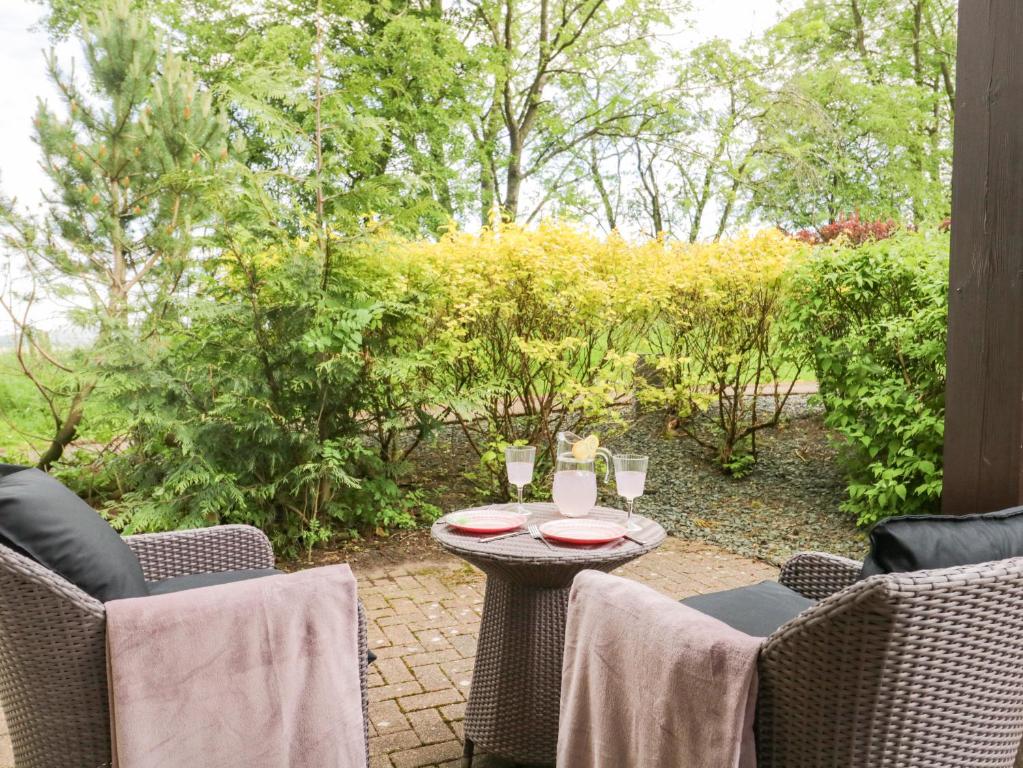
{"points": [[552, 322], [716, 338], [539, 330]]}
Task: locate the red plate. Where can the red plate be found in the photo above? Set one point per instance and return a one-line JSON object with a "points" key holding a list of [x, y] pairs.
{"points": [[583, 531], [485, 521]]}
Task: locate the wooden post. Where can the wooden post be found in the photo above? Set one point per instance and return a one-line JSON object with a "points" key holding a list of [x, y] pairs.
{"points": [[984, 395]]}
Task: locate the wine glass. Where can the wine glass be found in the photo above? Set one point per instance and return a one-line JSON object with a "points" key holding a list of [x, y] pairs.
{"points": [[630, 476], [519, 460]]}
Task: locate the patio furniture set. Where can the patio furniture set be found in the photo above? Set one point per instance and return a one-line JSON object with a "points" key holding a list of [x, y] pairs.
{"points": [[914, 658]]}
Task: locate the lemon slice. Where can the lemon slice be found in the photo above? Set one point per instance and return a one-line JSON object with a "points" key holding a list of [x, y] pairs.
{"points": [[585, 450]]}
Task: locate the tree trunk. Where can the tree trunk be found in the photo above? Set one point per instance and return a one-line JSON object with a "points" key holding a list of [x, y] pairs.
{"points": [[66, 429], [605, 198], [443, 189], [514, 183]]}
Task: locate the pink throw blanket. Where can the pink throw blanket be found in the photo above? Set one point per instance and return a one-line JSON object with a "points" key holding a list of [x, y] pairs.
{"points": [[254, 674], [650, 683]]}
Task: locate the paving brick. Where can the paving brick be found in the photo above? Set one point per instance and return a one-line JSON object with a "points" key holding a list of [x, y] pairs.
{"points": [[424, 700], [432, 678], [390, 651], [457, 665], [429, 755], [399, 634], [464, 644], [459, 728], [430, 726], [372, 603], [432, 640], [394, 670], [405, 619], [413, 659], [386, 717], [441, 619], [394, 691], [452, 712], [403, 604], [393, 742]]}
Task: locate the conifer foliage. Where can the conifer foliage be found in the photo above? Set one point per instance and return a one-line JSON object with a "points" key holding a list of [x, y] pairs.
{"points": [[129, 152]]}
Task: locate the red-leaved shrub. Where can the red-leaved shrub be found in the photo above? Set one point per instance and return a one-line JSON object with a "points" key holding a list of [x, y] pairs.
{"points": [[852, 228]]}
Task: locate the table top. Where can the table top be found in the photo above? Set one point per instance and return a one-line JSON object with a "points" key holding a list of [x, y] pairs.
{"points": [[526, 551]]}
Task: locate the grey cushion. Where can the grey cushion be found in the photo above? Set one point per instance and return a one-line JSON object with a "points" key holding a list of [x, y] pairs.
{"points": [[922, 542], [757, 610], [43, 520], [198, 580]]}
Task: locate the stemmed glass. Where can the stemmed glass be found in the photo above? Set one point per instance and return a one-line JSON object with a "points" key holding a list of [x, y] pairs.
{"points": [[630, 476], [519, 460]]}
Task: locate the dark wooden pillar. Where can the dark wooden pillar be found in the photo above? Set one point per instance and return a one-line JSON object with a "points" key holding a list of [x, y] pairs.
{"points": [[984, 397]]}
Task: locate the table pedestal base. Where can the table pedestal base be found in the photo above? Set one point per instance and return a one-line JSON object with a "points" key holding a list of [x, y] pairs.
{"points": [[516, 682]]}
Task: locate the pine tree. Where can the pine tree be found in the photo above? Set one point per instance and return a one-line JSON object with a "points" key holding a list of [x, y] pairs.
{"points": [[131, 157]]}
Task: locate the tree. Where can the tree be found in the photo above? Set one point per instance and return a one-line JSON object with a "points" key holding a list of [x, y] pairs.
{"points": [[862, 112], [680, 169], [300, 345], [556, 74], [391, 79], [130, 159]]}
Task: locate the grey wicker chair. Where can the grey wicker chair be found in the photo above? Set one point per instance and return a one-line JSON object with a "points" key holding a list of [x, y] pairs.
{"points": [[53, 673], [910, 670]]}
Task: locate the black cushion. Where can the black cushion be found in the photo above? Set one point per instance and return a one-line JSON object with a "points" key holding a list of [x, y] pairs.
{"points": [[43, 520], [757, 610], [197, 580], [922, 542]]}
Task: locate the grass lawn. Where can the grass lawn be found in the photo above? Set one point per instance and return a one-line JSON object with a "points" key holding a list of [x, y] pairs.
{"points": [[26, 423], [25, 419]]}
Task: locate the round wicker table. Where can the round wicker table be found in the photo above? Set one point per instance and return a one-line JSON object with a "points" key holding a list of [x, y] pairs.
{"points": [[516, 682]]}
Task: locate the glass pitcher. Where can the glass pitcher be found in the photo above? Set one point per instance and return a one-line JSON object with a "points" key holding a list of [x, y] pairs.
{"points": [[575, 480]]}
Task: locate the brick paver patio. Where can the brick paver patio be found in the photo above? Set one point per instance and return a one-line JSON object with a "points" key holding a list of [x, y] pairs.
{"points": [[424, 616]]}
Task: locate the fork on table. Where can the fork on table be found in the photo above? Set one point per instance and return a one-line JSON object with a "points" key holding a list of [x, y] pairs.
{"points": [[534, 531]]}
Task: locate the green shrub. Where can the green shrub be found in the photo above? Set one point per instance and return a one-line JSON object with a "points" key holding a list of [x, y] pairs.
{"points": [[716, 340], [874, 318], [538, 329], [276, 402]]}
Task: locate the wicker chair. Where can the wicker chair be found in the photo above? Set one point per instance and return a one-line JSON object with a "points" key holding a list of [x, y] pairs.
{"points": [[910, 670], [53, 673]]}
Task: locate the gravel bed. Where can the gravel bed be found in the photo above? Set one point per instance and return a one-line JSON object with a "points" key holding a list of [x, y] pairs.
{"points": [[789, 503]]}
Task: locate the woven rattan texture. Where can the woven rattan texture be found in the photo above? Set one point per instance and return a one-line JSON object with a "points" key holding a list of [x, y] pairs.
{"points": [[516, 683], [513, 704], [203, 550], [526, 560], [916, 670], [817, 575], [53, 673]]}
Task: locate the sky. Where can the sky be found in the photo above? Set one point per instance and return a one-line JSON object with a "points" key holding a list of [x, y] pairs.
{"points": [[22, 47]]}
